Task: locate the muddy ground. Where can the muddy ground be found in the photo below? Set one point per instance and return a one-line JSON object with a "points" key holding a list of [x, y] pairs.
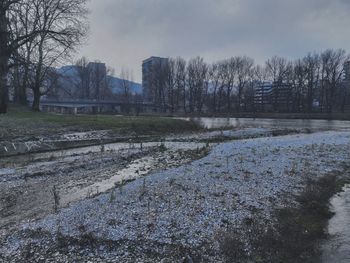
{"points": [[34, 185], [28, 189]]}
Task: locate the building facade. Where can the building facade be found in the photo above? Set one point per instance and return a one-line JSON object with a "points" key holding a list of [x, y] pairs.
{"points": [[97, 80], [262, 96], [152, 71], [275, 97]]}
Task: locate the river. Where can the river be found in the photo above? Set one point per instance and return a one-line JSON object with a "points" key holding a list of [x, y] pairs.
{"points": [[212, 123], [337, 248]]}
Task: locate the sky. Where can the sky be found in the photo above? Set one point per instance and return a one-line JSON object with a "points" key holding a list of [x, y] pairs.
{"points": [[125, 32]]}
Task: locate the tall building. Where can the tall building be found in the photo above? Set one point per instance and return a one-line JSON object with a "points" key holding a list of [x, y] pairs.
{"points": [[262, 95], [272, 97], [151, 77], [97, 74]]}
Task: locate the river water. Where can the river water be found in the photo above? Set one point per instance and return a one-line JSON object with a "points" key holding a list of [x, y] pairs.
{"points": [[211, 123], [337, 248]]}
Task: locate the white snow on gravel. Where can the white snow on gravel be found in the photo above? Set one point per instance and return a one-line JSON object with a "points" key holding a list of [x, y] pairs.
{"points": [[189, 204]]}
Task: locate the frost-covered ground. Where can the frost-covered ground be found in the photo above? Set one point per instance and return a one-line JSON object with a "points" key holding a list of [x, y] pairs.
{"points": [[187, 207]]}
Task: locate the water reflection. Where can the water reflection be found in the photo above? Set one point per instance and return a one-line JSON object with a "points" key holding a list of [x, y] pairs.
{"points": [[136, 169], [15, 161], [211, 123], [337, 248]]}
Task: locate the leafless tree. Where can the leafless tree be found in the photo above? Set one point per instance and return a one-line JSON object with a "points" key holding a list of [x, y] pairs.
{"points": [[278, 69], [229, 72], [299, 84], [63, 28], [312, 69], [244, 67], [332, 65], [216, 84], [180, 82], [9, 43], [126, 87], [53, 27], [82, 84], [294, 85], [170, 84], [197, 79]]}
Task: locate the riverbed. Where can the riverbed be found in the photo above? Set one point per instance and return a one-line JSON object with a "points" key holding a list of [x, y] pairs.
{"points": [[184, 208], [337, 247], [178, 191]]}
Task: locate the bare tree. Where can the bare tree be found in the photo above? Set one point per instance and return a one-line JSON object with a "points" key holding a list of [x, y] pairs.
{"points": [[312, 70], [216, 84], [8, 44], [229, 74], [180, 82], [170, 84], [126, 87], [260, 76], [244, 67], [54, 24], [23, 21], [62, 28], [332, 66], [82, 84], [299, 84], [277, 69], [197, 73]]}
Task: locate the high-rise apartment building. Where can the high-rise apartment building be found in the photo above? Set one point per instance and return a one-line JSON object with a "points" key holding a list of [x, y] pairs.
{"points": [[151, 71], [97, 79]]}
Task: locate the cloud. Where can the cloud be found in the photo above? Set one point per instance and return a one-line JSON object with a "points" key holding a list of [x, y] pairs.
{"points": [[124, 32]]}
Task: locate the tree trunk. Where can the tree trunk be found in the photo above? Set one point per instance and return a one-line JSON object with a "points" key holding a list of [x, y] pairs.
{"points": [[20, 84], [4, 57], [22, 92], [214, 100], [228, 100], [3, 87], [38, 78], [240, 91], [36, 101]]}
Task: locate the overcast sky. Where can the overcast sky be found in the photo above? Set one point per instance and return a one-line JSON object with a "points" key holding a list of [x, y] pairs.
{"points": [[124, 32]]}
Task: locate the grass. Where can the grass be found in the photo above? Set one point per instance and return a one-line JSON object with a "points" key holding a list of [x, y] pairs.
{"points": [[21, 121]]}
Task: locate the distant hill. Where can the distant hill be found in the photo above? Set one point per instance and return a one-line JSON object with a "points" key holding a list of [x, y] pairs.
{"points": [[70, 76]]}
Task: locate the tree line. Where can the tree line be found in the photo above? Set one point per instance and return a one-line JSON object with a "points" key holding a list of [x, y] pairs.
{"points": [[35, 36], [314, 82]]}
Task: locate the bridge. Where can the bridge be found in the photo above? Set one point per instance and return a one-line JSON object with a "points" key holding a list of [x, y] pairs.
{"points": [[96, 106]]}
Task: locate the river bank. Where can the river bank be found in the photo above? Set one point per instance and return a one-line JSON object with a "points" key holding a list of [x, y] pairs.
{"points": [[269, 115], [337, 247], [180, 212], [21, 124], [27, 181]]}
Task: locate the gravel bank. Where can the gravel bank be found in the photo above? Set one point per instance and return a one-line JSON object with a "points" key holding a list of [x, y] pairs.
{"points": [[183, 209]]}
